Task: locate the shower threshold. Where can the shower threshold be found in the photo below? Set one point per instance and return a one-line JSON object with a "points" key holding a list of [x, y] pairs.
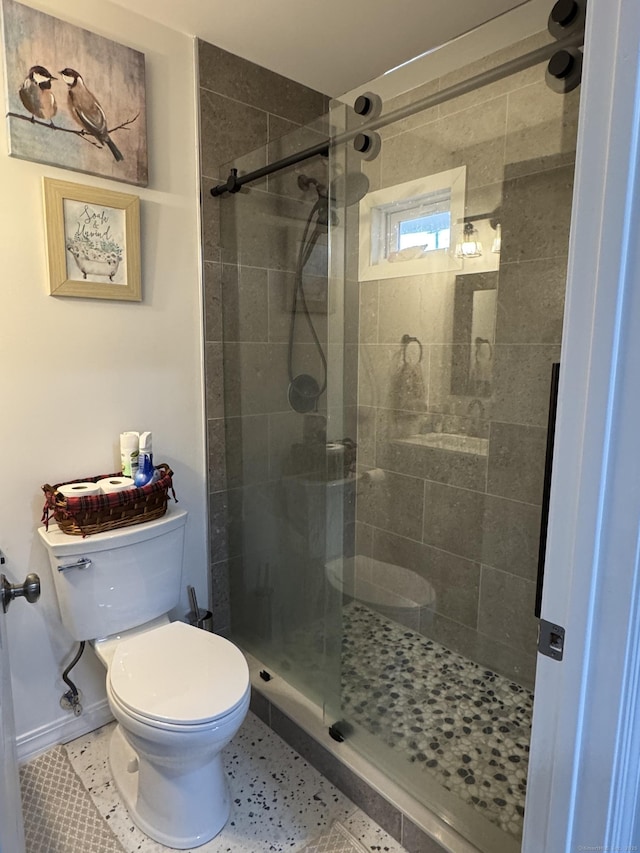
{"points": [[301, 723]]}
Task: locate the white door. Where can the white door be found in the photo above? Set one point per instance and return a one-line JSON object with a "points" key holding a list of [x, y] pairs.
{"points": [[11, 833], [11, 828], [584, 772]]}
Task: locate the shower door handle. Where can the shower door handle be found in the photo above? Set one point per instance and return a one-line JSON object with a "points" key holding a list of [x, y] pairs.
{"points": [[546, 490]]}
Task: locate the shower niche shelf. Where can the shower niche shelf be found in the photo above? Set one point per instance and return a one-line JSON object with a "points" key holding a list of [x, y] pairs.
{"points": [[448, 441]]}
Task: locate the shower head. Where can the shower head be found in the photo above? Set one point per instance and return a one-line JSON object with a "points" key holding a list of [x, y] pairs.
{"points": [[343, 190], [349, 189]]}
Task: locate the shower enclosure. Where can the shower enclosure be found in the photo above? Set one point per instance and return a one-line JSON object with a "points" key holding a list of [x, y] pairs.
{"points": [[390, 322]]}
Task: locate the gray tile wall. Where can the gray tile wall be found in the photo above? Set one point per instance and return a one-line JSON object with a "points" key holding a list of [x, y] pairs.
{"points": [[246, 110], [470, 523]]}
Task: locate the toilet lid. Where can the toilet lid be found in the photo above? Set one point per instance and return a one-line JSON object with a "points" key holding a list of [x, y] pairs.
{"points": [[179, 674]]}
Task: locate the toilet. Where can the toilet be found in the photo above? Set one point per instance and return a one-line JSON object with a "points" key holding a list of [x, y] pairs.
{"points": [[178, 693]]}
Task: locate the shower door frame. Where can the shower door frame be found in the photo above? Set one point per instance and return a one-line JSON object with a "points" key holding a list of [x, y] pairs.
{"points": [[584, 772]]}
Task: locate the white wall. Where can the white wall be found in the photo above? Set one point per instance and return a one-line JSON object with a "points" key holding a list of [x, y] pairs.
{"points": [[501, 32], [74, 373]]}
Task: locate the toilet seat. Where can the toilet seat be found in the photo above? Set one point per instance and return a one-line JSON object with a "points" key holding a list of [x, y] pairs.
{"points": [[177, 676]]}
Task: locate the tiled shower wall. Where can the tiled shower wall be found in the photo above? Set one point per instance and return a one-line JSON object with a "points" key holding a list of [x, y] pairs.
{"points": [[243, 108], [466, 522]]}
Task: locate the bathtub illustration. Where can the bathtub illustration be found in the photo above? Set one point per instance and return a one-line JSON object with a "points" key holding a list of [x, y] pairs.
{"points": [[93, 260]]}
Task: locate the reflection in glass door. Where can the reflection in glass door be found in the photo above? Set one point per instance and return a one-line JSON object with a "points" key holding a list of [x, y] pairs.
{"points": [[385, 421], [449, 374]]}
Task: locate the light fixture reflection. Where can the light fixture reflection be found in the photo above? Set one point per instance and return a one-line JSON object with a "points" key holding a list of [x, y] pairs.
{"points": [[469, 245], [496, 246]]}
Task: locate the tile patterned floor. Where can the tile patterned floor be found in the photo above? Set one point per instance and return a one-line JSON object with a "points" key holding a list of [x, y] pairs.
{"points": [[280, 803], [59, 814], [336, 840]]}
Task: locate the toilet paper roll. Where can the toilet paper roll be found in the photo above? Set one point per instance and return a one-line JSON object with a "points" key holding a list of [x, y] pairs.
{"points": [[115, 484], [79, 490]]}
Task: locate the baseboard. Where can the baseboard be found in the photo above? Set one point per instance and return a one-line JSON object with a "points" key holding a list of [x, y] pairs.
{"points": [[62, 730]]}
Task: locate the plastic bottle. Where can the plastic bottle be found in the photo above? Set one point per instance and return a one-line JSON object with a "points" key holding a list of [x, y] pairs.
{"points": [[129, 453], [144, 473]]}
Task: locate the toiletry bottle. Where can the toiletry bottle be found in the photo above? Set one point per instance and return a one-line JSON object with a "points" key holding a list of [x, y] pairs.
{"points": [[129, 453], [145, 461]]}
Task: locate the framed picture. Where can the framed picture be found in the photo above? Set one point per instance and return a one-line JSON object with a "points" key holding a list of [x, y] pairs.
{"points": [[93, 241], [74, 99]]}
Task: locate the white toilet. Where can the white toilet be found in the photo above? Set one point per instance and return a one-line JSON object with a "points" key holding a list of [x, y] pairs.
{"points": [[179, 694]]}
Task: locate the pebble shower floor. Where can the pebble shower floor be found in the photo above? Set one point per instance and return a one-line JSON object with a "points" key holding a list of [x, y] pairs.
{"points": [[467, 726]]}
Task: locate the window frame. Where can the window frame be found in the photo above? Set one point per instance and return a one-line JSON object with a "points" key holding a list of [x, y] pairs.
{"points": [[377, 207]]}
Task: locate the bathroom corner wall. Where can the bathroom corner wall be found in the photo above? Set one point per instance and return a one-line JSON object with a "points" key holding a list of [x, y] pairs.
{"points": [[76, 372], [470, 523], [249, 251]]}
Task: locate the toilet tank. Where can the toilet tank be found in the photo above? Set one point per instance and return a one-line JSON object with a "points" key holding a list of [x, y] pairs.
{"points": [[113, 581]]}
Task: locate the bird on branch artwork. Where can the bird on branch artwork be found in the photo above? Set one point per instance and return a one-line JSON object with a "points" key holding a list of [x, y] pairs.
{"points": [[83, 106], [75, 99]]}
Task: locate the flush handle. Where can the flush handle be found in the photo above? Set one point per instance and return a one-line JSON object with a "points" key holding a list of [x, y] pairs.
{"points": [[81, 563], [30, 590]]}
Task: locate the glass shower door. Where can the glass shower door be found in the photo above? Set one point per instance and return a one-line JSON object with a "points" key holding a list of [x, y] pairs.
{"points": [[445, 329], [284, 471]]}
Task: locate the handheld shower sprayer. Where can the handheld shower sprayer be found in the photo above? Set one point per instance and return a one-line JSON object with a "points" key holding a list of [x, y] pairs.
{"points": [[344, 190], [305, 182]]}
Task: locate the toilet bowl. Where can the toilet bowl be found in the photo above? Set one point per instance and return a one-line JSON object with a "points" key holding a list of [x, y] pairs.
{"points": [[396, 592], [179, 694]]}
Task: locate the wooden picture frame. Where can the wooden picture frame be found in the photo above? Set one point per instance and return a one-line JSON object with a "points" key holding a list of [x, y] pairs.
{"points": [[93, 241]]}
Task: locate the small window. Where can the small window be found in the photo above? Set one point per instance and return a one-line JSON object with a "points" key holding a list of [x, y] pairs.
{"points": [[432, 232], [425, 222], [406, 229]]}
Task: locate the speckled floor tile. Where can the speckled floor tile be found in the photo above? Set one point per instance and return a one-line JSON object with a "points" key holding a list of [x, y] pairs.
{"points": [[280, 803], [89, 756]]}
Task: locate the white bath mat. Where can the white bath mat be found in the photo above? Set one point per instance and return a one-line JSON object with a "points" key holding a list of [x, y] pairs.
{"points": [[336, 840], [59, 815]]}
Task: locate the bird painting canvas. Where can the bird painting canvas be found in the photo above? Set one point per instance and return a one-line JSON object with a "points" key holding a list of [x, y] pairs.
{"points": [[74, 99]]}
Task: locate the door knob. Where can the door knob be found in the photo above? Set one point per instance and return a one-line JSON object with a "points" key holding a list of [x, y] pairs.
{"points": [[30, 590]]}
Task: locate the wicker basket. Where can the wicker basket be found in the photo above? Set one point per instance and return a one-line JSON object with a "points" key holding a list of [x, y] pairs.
{"points": [[82, 516]]}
